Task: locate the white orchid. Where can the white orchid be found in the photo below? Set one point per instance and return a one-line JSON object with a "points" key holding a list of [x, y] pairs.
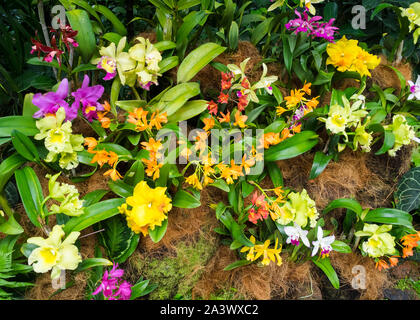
{"points": [[323, 243], [414, 89], [295, 233]]}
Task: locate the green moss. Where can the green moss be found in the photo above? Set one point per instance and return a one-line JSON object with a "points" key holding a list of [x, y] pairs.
{"points": [[176, 276], [409, 284]]}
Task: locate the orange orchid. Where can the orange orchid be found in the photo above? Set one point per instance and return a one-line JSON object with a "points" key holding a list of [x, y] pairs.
{"points": [[295, 98], [113, 158], [113, 173], [157, 119], [381, 264], [101, 157], [139, 118], [209, 123], [224, 117], [91, 143], [240, 120], [393, 261], [307, 88]]}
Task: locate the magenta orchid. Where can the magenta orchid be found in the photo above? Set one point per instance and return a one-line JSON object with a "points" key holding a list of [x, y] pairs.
{"points": [[50, 102], [88, 97], [111, 286]]}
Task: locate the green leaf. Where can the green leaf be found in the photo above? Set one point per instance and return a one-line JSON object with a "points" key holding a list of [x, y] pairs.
{"points": [[197, 60], [141, 289], [130, 105], [341, 247], [389, 140], [24, 146], [11, 226], [247, 189], [135, 174], [183, 199], [292, 147], [176, 97], [121, 188], [350, 204], [321, 161], [120, 150], [325, 265], [390, 216], [233, 36], [84, 67], [94, 197], [379, 8], [168, 64], [40, 62], [157, 234], [275, 173], [112, 37], [260, 31], [79, 21], [93, 214], [8, 168], [323, 78], [91, 263], [28, 107], [30, 192], [237, 264], [115, 92], [330, 11], [116, 238], [189, 110], [25, 125], [407, 195], [220, 184], [238, 235], [118, 26], [189, 22]]}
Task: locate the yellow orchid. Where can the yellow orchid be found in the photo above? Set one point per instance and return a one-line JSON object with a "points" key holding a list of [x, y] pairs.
{"points": [[148, 208], [258, 250], [53, 253]]}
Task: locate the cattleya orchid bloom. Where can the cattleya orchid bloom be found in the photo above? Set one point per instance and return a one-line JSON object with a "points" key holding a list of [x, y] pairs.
{"points": [[53, 253], [88, 97], [59, 139], [362, 137], [402, 131], [322, 243], [309, 4], [67, 194], [295, 233], [380, 242], [148, 208], [50, 102], [414, 89], [298, 209], [115, 59], [263, 250], [413, 15]]}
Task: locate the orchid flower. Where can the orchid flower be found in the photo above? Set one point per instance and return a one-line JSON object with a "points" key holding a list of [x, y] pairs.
{"points": [[50, 102], [89, 97], [414, 89], [322, 243], [295, 233]]}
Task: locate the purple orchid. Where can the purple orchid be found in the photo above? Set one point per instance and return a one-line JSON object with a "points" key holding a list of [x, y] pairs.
{"points": [[50, 102], [111, 287], [326, 31], [303, 24], [88, 97]]}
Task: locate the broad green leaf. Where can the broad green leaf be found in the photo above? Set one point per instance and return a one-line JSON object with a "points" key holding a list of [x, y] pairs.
{"points": [[168, 64], [30, 192], [275, 173], [24, 124], [91, 263], [28, 107], [292, 147], [112, 37], [176, 97], [11, 226], [130, 105], [158, 232], [8, 168], [325, 265], [84, 67], [79, 21], [24, 146], [197, 60], [260, 31], [165, 45], [350, 204], [94, 197], [238, 235], [220, 184], [237, 264], [183, 199], [233, 36], [379, 8], [93, 214], [321, 161], [341, 247], [117, 24], [389, 140], [121, 188], [389, 216], [189, 110], [407, 195], [135, 174], [40, 62]]}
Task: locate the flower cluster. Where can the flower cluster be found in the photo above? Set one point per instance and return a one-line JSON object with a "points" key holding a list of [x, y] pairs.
{"points": [[409, 242], [148, 208], [379, 243], [59, 139], [346, 55], [53, 253], [314, 28], [414, 89], [112, 286], [86, 96], [402, 131], [413, 15], [65, 34], [139, 118], [140, 63], [300, 105], [262, 250], [102, 157], [67, 195], [153, 163]]}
